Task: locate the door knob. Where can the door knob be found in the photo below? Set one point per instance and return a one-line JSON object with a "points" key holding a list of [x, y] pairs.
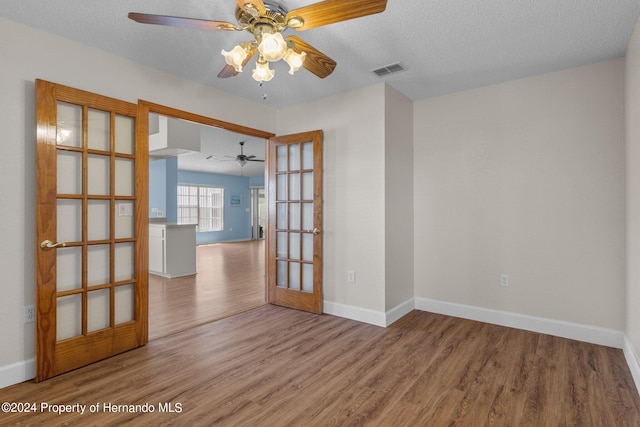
{"points": [[48, 244], [316, 231]]}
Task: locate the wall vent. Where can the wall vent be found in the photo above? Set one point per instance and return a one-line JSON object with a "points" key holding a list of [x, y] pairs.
{"points": [[388, 69]]}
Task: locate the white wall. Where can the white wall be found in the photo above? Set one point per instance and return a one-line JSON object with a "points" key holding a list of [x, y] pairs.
{"points": [[525, 178], [632, 128], [25, 55], [354, 199], [398, 198]]}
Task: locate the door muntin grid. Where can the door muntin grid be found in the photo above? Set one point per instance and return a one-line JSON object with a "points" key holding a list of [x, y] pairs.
{"points": [[294, 216], [95, 271]]}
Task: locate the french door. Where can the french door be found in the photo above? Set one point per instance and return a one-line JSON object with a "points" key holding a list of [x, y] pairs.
{"points": [[91, 228], [294, 260]]}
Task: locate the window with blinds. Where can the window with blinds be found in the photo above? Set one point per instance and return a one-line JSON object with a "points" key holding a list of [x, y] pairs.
{"points": [[203, 206]]}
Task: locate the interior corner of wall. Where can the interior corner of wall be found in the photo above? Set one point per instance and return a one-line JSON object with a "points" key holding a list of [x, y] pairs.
{"points": [[632, 361]]}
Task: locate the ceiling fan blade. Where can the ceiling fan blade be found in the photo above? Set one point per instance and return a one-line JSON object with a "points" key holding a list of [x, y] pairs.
{"points": [[176, 21], [229, 71], [254, 7], [316, 62], [254, 160], [331, 11]]}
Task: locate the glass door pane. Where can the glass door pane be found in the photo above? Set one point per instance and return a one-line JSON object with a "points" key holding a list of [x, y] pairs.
{"points": [[98, 310], [99, 130], [69, 316], [69, 171], [294, 208], [95, 277], [69, 125], [125, 135]]}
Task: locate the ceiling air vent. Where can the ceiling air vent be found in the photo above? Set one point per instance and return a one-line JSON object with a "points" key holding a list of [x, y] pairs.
{"points": [[388, 69]]}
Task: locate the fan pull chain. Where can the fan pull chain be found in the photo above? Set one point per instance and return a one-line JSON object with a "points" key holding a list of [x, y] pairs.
{"points": [[264, 94]]}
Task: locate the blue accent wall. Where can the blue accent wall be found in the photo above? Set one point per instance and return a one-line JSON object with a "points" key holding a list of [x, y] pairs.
{"points": [[256, 181], [164, 178], [163, 188], [172, 189], [237, 218]]}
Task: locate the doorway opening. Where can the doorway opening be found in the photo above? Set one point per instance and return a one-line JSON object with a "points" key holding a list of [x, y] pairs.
{"points": [[258, 213], [230, 261]]}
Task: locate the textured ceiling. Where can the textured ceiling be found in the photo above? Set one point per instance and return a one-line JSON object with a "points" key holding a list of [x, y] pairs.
{"points": [[445, 45]]}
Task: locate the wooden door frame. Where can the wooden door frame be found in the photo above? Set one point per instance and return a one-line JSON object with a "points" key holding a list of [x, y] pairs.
{"points": [[146, 107]]}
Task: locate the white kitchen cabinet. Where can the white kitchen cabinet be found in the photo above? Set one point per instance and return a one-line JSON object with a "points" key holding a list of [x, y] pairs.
{"points": [[172, 249]]}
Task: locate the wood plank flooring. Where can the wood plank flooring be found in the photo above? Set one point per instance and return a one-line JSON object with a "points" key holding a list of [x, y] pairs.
{"points": [[230, 280], [272, 366]]}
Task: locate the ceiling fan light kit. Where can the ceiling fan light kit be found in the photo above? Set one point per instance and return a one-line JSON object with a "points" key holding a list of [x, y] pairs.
{"points": [[272, 47], [235, 57], [262, 72], [266, 20], [267, 30], [294, 59]]}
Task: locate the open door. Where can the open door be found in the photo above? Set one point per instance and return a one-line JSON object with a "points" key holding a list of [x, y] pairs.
{"points": [[294, 255], [91, 221]]}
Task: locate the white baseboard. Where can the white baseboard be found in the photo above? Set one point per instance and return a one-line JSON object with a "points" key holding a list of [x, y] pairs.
{"points": [[633, 362], [365, 315], [574, 331], [17, 372], [399, 311]]}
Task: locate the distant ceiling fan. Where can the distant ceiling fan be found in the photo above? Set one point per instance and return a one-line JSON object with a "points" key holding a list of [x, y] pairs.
{"points": [[267, 20], [242, 158]]}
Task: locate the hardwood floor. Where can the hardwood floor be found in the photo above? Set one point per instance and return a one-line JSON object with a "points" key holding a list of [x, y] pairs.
{"points": [[272, 366], [230, 280]]}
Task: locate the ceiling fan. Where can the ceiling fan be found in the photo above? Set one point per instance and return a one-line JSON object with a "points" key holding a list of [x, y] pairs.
{"points": [[241, 158], [267, 20]]}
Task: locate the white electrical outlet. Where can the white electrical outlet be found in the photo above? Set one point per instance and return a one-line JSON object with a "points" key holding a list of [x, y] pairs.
{"points": [[351, 276], [29, 314], [504, 280]]}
